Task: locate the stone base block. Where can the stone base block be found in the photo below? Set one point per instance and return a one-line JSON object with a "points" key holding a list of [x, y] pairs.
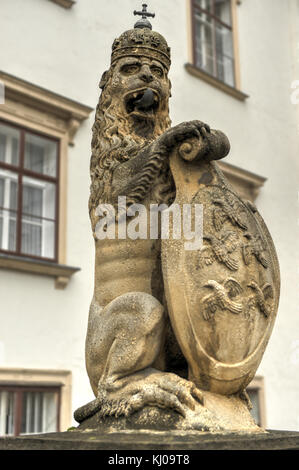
{"points": [[153, 440]]}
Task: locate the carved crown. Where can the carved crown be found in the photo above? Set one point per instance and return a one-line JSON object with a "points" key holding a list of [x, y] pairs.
{"points": [[141, 42]]}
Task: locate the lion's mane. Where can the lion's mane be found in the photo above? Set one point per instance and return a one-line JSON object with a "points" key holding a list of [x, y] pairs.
{"points": [[113, 142]]}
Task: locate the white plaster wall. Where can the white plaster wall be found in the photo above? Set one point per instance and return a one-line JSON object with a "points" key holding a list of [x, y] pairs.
{"points": [[66, 51]]}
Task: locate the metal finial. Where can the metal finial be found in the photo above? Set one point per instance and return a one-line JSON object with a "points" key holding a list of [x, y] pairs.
{"points": [[143, 22]]}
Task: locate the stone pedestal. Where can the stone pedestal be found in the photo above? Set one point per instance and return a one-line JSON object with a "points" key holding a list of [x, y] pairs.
{"points": [[153, 440]]}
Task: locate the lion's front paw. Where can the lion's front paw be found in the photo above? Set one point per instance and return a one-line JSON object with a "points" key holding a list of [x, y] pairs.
{"points": [[203, 128], [167, 391], [184, 131], [164, 390]]}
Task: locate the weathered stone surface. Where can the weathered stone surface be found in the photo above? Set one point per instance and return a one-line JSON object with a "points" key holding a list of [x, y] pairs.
{"points": [[222, 299], [153, 440], [217, 414], [183, 329]]}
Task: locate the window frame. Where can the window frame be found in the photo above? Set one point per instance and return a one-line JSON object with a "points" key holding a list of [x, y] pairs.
{"points": [[44, 111], [19, 390], [192, 69], [21, 172], [258, 385], [195, 8], [43, 378]]}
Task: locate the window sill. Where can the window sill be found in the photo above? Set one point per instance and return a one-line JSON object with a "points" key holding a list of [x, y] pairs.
{"points": [[60, 272], [64, 3], [196, 72]]}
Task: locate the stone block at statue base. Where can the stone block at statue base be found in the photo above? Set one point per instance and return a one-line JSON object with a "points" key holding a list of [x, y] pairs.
{"points": [[153, 440], [218, 414]]}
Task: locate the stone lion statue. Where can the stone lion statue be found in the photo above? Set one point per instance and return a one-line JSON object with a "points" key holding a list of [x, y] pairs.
{"points": [[128, 321], [129, 343], [133, 357]]}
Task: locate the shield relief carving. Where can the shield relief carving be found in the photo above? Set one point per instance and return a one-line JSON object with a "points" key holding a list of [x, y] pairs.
{"points": [[222, 298]]}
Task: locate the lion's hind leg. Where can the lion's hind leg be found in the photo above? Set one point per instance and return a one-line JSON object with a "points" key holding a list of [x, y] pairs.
{"points": [[126, 338]]}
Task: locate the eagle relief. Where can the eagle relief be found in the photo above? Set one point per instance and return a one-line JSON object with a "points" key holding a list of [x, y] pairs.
{"points": [[174, 336]]}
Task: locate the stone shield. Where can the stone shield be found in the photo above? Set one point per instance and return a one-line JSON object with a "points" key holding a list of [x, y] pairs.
{"points": [[222, 298]]}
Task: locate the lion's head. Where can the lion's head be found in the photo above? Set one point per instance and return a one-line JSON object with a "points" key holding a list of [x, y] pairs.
{"points": [[132, 112]]}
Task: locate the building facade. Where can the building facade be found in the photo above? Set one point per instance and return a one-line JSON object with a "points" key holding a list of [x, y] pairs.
{"points": [[235, 67]]}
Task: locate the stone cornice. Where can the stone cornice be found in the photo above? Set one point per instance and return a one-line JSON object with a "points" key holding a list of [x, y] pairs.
{"points": [[246, 183], [16, 88], [22, 92]]}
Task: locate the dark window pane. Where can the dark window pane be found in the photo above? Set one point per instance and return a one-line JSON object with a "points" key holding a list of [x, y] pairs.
{"points": [[31, 236], [38, 220], [204, 49], [254, 398], [32, 200], [8, 207], [1, 228], [224, 55], [2, 182], [12, 233], [224, 41], [223, 11], [38, 237], [13, 196], [8, 189], [2, 147], [7, 408], [34, 157], [15, 151], [1, 211], [8, 230], [48, 239], [32, 413], [214, 43], [205, 5], [9, 144], [40, 155], [225, 70], [39, 412], [39, 198]]}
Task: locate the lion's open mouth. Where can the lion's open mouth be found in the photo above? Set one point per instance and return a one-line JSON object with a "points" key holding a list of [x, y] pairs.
{"points": [[143, 102]]}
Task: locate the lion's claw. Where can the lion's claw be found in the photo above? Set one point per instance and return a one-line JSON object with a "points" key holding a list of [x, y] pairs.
{"points": [[184, 131], [152, 395], [161, 389]]}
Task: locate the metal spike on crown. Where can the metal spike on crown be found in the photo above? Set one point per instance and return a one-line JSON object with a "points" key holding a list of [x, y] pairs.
{"points": [[144, 22], [142, 41]]}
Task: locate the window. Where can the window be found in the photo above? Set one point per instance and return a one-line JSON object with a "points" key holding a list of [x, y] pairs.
{"points": [[255, 391], [28, 193], [28, 410], [213, 44], [35, 400], [37, 126], [255, 411]]}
